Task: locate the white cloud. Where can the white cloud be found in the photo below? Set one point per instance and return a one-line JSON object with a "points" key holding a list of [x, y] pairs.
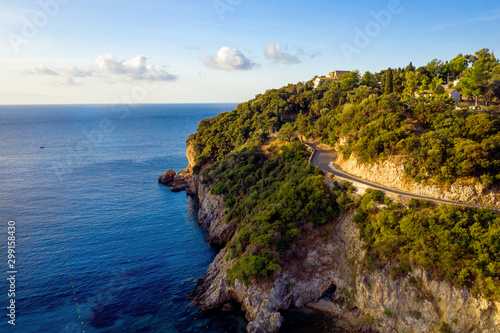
{"points": [[105, 66], [274, 52], [228, 60], [41, 70], [136, 68]]}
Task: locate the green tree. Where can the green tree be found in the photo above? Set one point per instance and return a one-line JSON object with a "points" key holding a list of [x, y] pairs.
{"points": [[475, 80], [389, 82], [493, 88], [357, 95], [349, 81], [435, 68], [303, 123], [456, 66], [436, 86], [369, 80], [425, 83], [398, 82], [410, 68], [287, 132], [412, 80]]}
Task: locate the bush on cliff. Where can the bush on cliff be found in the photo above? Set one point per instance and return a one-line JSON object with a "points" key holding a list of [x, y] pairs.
{"points": [[457, 244], [271, 198]]}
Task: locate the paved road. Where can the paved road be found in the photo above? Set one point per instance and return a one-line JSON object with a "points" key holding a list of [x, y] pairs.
{"points": [[324, 159]]}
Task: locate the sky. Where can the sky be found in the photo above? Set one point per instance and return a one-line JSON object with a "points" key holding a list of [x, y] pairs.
{"points": [[219, 51]]}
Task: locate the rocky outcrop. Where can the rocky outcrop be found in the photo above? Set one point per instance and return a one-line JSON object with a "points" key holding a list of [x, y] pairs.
{"points": [[178, 182], [167, 177], [391, 173]]}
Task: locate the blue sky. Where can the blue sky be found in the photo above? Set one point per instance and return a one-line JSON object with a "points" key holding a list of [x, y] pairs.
{"points": [[162, 51]]}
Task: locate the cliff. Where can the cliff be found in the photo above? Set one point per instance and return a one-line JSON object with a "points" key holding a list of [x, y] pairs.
{"points": [[391, 173], [211, 214], [325, 272]]}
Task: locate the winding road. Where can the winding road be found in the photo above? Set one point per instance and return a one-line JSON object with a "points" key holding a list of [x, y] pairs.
{"points": [[324, 160]]}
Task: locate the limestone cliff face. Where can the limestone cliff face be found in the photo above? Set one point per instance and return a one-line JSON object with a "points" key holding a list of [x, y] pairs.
{"points": [[391, 173], [190, 154], [211, 214], [417, 303]]}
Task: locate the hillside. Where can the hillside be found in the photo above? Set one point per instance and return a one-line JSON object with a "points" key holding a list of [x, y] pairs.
{"points": [[276, 211]]}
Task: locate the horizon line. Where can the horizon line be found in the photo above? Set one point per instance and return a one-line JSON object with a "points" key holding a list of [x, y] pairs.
{"points": [[108, 104]]}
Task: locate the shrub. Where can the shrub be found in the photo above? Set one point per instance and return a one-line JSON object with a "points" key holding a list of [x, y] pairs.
{"points": [[416, 314], [458, 244], [218, 189], [487, 180], [445, 328]]}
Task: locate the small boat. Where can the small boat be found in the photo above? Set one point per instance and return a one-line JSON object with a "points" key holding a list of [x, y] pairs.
{"points": [[41, 147]]}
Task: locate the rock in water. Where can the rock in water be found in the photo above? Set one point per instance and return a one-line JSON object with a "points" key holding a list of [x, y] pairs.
{"points": [[167, 177]]}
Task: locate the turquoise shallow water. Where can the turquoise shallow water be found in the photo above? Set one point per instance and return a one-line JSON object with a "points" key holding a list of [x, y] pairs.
{"points": [[101, 246]]}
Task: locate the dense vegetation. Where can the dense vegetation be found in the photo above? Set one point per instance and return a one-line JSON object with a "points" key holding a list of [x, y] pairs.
{"points": [[436, 140], [456, 244], [405, 112], [272, 198]]}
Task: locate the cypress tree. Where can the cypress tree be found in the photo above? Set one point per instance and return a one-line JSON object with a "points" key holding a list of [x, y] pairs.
{"points": [[389, 82]]}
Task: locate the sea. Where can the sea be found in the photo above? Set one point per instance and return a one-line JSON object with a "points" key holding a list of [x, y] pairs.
{"points": [[89, 240]]}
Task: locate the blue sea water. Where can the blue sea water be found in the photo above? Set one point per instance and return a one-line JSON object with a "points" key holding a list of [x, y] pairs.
{"points": [[100, 245]]}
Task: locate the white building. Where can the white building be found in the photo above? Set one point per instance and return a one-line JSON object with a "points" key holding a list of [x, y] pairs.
{"points": [[333, 76], [453, 93]]}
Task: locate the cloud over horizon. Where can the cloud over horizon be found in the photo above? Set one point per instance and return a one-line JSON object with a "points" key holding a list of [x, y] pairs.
{"points": [[274, 52], [228, 60], [135, 69], [106, 65]]}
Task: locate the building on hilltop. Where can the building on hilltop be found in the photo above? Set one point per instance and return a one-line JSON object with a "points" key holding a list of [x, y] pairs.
{"points": [[333, 76], [454, 93], [457, 81]]}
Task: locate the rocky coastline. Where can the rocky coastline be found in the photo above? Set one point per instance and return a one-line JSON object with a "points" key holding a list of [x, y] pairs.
{"points": [[327, 275]]}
